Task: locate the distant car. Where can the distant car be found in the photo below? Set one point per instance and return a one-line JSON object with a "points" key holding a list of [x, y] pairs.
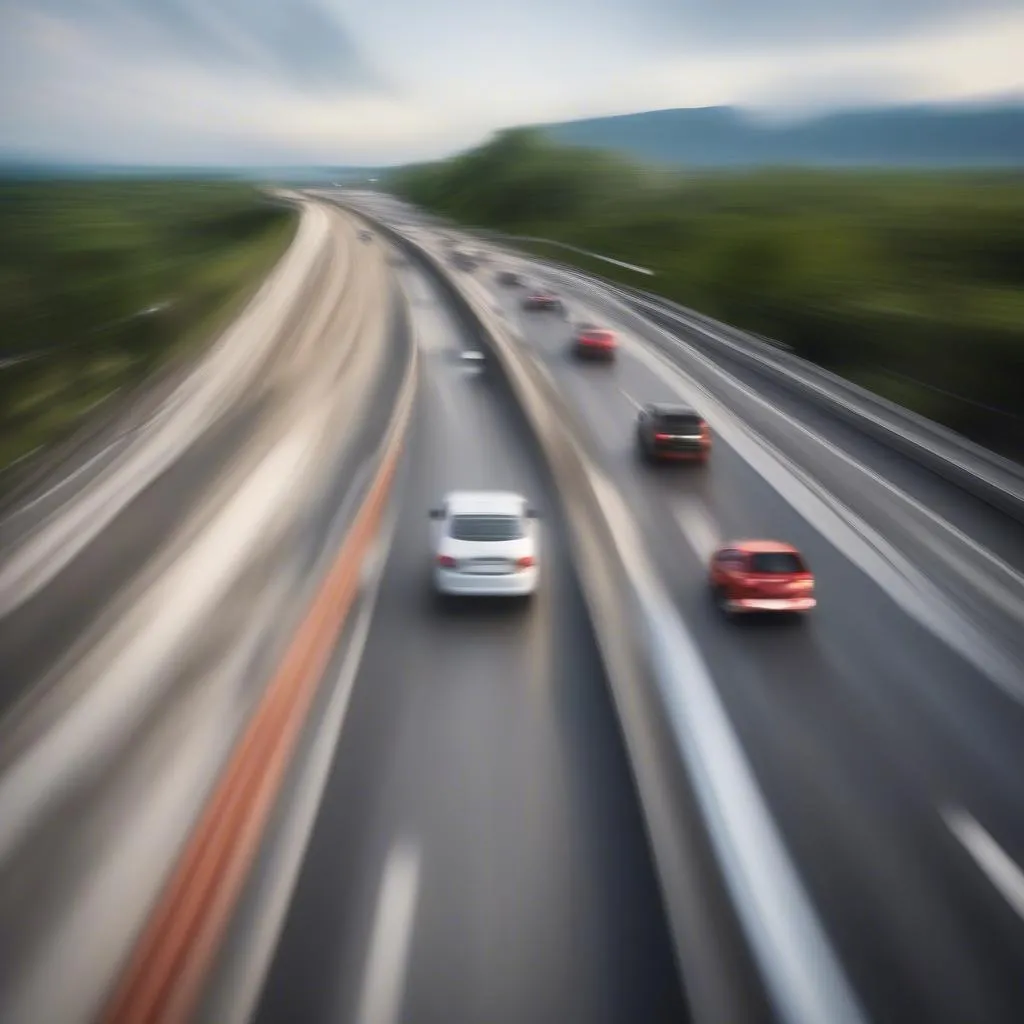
{"points": [[485, 544], [761, 576], [472, 361], [672, 433], [463, 259], [365, 236], [544, 301], [592, 342], [510, 278]]}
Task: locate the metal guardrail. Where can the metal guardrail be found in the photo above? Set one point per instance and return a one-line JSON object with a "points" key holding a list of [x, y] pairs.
{"points": [[988, 476], [749, 945]]}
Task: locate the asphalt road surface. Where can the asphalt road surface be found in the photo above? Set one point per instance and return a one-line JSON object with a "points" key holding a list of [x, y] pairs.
{"points": [[886, 757], [479, 853]]}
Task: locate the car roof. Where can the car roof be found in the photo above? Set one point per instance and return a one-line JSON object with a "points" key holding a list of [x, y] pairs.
{"points": [[761, 546], [484, 503], [671, 409]]}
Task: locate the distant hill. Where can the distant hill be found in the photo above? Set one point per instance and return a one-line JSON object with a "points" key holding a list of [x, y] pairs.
{"points": [[911, 136], [18, 167]]}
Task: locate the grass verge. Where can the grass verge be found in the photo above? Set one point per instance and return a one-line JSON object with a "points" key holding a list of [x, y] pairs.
{"points": [[102, 285]]}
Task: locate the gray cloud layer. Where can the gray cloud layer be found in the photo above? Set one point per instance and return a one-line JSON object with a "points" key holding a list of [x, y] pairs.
{"points": [[771, 22], [208, 79], [297, 42]]}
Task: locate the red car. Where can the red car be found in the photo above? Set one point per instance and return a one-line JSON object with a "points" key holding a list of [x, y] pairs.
{"points": [[592, 342], [761, 576], [543, 301]]}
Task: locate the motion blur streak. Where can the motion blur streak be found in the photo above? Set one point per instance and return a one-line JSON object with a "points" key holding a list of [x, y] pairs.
{"points": [[485, 740], [130, 675], [171, 960]]}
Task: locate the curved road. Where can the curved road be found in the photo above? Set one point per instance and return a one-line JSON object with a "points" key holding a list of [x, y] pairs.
{"points": [[479, 853], [880, 750], [147, 599], [479, 846]]}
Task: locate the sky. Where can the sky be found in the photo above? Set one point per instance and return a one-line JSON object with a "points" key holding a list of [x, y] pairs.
{"points": [[388, 81]]}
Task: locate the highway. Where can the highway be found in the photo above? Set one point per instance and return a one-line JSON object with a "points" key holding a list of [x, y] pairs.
{"points": [[147, 590], [874, 743], [480, 760], [887, 731], [459, 836]]}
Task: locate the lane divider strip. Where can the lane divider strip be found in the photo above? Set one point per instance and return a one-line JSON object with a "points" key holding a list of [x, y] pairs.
{"points": [[165, 974]]}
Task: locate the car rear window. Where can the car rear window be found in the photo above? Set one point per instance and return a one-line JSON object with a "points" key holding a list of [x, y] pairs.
{"points": [[776, 562], [486, 527], [679, 421]]}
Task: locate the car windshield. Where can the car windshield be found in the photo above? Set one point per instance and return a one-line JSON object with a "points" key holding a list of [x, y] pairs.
{"points": [[486, 527], [679, 421], [776, 562]]}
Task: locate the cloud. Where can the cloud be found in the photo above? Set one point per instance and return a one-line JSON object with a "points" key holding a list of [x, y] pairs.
{"points": [[757, 24], [297, 43], [952, 62], [376, 81]]}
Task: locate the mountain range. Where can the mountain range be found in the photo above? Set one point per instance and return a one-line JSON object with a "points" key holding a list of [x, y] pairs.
{"points": [[18, 167], [963, 135]]}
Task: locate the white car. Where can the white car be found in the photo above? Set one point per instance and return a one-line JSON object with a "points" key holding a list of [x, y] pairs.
{"points": [[485, 543]]}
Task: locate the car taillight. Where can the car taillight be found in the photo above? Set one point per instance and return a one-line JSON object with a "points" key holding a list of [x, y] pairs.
{"points": [[705, 434], [525, 562], [446, 561], [662, 437]]}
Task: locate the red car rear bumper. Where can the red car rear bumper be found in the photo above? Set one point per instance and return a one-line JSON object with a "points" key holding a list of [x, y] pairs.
{"points": [[769, 604]]}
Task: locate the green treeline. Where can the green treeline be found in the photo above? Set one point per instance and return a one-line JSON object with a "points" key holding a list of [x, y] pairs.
{"points": [[909, 283], [101, 282]]}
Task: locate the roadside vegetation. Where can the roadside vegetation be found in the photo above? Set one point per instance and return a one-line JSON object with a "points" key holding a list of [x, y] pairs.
{"points": [[909, 283], [101, 284]]}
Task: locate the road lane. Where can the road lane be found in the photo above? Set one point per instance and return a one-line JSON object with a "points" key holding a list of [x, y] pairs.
{"points": [[103, 767], [860, 724], [481, 747], [973, 571], [56, 619], [1000, 533]]}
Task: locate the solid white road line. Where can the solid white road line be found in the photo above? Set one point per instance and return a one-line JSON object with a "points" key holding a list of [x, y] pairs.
{"points": [[1001, 870], [384, 981]]}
